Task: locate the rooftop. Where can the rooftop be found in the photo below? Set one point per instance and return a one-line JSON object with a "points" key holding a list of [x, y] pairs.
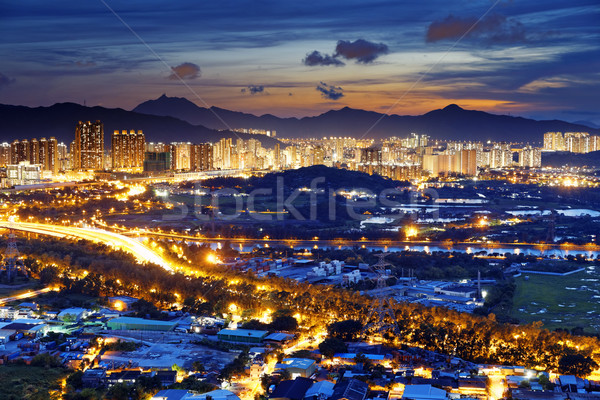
{"points": [[132, 320], [302, 363], [423, 392], [293, 390], [243, 332]]}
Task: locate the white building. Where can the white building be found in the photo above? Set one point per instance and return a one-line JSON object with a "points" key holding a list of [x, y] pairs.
{"points": [[23, 173]]}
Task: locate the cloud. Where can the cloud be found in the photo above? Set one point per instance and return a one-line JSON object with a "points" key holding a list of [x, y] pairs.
{"points": [[360, 50], [316, 58], [85, 64], [254, 89], [186, 70], [5, 80], [330, 92], [493, 29]]}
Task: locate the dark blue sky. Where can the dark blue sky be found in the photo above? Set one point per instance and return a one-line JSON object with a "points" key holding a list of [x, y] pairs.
{"points": [[534, 58]]}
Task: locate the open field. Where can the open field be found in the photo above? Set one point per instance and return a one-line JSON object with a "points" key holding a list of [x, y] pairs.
{"points": [[560, 301]]}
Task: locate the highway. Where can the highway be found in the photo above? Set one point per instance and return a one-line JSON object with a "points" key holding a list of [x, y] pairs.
{"points": [[26, 295], [130, 245], [363, 242]]}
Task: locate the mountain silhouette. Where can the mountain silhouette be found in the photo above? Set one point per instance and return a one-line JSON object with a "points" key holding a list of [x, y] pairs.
{"points": [[169, 119], [450, 123], [59, 120]]}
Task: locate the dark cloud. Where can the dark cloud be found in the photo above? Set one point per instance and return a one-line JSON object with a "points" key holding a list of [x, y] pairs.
{"points": [[5, 80], [360, 50], [492, 29], [254, 89], [330, 92], [186, 70], [85, 64], [316, 58]]}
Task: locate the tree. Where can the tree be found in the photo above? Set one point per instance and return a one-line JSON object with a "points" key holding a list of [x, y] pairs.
{"points": [[193, 383], [284, 323], [198, 366], [255, 324], [330, 346], [544, 381], [85, 394], [75, 380], [301, 354], [49, 275], [576, 364], [525, 385], [345, 330], [118, 391], [46, 360], [176, 368]]}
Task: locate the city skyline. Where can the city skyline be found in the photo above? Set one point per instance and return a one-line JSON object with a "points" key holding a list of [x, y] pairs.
{"points": [[539, 61]]}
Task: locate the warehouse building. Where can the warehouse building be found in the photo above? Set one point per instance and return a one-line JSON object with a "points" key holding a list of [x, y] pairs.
{"points": [[140, 324], [241, 335], [303, 367]]}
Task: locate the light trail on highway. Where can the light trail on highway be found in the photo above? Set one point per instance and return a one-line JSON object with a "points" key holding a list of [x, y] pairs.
{"points": [[118, 241], [26, 295]]}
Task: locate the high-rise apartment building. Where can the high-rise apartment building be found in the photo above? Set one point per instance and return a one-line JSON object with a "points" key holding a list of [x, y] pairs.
{"points": [[371, 155], [88, 146], [63, 157], [468, 162], [222, 152], [554, 141], [48, 155], [41, 152], [19, 151], [530, 157], [181, 156], [501, 155], [202, 157], [318, 156], [594, 143], [128, 150], [34, 151], [577, 142], [4, 154]]}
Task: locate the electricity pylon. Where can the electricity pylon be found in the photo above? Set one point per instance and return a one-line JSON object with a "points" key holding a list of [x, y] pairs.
{"points": [[381, 317]]}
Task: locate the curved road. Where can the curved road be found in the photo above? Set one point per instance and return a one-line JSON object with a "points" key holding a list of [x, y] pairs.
{"points": [[130, 245], [26, 295]]}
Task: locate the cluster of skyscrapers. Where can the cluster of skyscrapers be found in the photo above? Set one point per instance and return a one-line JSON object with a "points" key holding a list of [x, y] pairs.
{"points": [[398, 158], [46, 153], [574, 142]]}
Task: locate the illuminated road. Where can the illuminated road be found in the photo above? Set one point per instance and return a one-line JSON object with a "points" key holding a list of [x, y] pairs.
{"points": [[124, 243], [25, 295], [474, 246]]}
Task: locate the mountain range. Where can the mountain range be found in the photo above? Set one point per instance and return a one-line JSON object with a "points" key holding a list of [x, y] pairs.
{"points": [[449, 123], [168, 119], [59, 120]]}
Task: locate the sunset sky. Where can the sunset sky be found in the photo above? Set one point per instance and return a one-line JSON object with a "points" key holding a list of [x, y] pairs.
{"points": [[538, 59]]}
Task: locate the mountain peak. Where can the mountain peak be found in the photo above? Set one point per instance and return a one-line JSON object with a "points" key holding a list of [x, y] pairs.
{"points": [[453, 107]]}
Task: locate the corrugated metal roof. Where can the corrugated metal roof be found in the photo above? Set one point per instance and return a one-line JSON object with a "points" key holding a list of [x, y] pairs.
{"points": [[243, 332]]}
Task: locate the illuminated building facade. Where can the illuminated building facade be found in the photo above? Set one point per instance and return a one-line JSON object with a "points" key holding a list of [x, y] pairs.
{"points": [[43, 152], [88, 147], [4, 154], [202, 157], [128, 150]]}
